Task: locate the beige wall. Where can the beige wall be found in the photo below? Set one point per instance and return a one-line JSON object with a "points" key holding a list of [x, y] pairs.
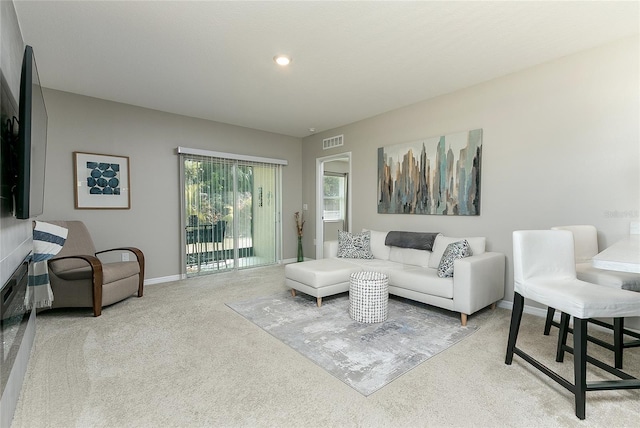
{"points": [[149, 138], [560, 146]]}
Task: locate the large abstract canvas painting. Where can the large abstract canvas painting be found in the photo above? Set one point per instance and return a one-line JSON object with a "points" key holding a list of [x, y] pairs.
{"points": [[438, 175]]}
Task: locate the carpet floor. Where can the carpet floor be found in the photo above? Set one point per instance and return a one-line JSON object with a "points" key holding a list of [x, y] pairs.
{"points": [[180, 357]]}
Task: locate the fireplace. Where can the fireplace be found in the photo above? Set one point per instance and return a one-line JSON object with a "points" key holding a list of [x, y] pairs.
{"points": [[14, 317]]}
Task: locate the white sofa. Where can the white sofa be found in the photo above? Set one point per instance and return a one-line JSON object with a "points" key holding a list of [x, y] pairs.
{"points": [[477, 282]]}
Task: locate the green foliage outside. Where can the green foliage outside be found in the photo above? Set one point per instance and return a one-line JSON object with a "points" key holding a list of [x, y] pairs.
{"points": [[209, 194]]}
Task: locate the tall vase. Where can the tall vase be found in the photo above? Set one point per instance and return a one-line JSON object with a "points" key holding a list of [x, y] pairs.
{"points": [[300, 255]]}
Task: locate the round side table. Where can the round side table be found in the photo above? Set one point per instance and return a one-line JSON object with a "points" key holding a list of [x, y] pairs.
{"points": [[368, 297]]}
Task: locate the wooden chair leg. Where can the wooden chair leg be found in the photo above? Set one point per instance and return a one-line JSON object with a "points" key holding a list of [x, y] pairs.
{"points": [[140, 285], [618, 341], [97, 300], [516, 317], [580, 364], [547, 324], [97, 277], [562, 336], [141, 262]]}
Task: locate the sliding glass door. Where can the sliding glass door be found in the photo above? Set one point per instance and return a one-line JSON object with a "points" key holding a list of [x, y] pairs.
{"points": [[230, 213]]}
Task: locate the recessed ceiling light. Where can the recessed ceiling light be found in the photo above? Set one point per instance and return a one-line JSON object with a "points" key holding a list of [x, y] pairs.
{"points": [[282, 59]]}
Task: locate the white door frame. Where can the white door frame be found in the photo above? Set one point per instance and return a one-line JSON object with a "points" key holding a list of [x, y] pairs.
{"points": [[320, 202]]}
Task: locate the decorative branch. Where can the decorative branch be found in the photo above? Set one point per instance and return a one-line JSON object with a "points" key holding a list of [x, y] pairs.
{"points": [[299, 222]]}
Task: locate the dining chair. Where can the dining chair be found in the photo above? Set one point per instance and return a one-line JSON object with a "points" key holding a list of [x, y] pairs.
{"points": [[544, 272], [586, 247], [585, 239]]}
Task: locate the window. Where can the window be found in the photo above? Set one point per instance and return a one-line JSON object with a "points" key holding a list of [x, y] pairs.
{"points": [[334, 197]]}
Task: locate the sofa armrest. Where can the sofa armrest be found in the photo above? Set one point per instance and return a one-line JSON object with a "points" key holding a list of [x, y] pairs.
{"points": [[96, 277], [478, 281], [141, 263], [330, 249]]}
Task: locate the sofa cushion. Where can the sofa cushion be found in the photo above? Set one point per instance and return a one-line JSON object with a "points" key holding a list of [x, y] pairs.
{"points": [[354, 245], [379, 250], [454, 251], [421, 280], [374, 265], [477, 245], [321, 272], [410, 256], [330, 249], [111, 272]]}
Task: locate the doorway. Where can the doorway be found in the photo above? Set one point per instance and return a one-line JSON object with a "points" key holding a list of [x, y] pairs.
{"points": [[230, 213], [333, 198]]}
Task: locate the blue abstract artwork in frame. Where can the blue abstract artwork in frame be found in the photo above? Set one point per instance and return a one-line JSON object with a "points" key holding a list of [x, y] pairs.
{"points": [[103, 178], [101, 181], [437, 175]]}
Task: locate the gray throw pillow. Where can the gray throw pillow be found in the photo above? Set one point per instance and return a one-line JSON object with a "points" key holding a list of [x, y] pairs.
{"points": [[354, 245], [454, 251]]}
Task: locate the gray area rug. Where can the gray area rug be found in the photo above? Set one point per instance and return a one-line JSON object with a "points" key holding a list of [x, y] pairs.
{"points": [[364, 356]]}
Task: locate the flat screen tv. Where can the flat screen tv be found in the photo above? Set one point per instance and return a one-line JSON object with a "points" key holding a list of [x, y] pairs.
{"points": [[32, 142], [8, 140]]}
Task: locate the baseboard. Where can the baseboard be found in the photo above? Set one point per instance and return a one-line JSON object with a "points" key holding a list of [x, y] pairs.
{"points": [[162, 279], [539, 312]]}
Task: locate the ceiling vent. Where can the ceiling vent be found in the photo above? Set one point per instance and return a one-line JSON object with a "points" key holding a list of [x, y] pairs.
{"points": [[329, 143]]}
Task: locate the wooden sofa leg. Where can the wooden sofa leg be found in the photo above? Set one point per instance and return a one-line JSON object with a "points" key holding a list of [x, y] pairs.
{"points": [[494, 305], [293, 292], [319, 301], [463, 319]]}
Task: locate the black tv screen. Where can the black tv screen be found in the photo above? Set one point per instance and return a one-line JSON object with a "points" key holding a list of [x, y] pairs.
{"points": [[32, 142], [9, 137]]}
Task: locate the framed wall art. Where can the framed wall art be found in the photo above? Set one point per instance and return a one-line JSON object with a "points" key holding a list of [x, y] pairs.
{"points": [[438, 175], [101, 181]]}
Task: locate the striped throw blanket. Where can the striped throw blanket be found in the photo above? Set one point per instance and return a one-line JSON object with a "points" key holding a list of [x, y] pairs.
{"points": [[48, 240]]}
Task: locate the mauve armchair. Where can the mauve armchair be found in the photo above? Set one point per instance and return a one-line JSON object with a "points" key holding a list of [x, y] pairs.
{"points": [[80, 279]]}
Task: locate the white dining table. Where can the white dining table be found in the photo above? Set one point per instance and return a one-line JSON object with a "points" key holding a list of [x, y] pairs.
{"points": [[623, 256]]}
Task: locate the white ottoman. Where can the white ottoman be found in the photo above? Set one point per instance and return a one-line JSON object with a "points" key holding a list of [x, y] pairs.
{"points": [[368, 297]]}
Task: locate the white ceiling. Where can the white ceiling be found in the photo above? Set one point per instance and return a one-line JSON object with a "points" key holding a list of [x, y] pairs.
{"points": [[351, 60]]}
